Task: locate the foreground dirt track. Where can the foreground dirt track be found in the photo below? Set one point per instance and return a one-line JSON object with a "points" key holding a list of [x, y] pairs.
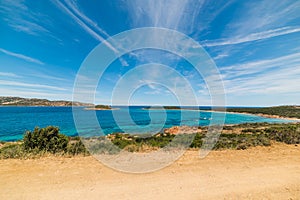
{"points": [[258, 173]]}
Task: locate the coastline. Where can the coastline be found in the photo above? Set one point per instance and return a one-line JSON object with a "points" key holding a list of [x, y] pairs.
{"points": [[245, 113], [101, 109], [266, 115]]}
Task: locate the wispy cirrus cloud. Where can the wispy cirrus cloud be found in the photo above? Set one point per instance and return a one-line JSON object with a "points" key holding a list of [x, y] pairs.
{"points": [[22, 19], [8, 74], [88, 25], [157, 13], [181, 15], [30, 85], [261, 66], [253, 37], [36, 93], [21, 56], [74, 7], [258, 16], [269, 76], [84, 22]]}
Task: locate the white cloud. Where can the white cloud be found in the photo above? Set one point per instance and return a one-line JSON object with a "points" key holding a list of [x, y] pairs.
{"points": [[72, 13], [21, 56], [220, 56], [34, 93], [72, 5], [158, 14], [89, 26], [30, 85], [22, 19], [257, 16], [253, 37], [8, 74], [180, 15], [261, 66], [273, 76]]}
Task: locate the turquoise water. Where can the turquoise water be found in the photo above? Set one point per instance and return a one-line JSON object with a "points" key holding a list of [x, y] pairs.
{"points": [[14, 121]]}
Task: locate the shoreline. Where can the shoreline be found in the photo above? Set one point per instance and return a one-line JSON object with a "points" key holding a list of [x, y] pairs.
{"points": [[101, 109], [235, 137], [266, 115], [245, 113]]}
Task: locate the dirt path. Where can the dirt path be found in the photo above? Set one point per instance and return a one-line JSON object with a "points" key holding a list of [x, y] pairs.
{"points": [[257, 173]]}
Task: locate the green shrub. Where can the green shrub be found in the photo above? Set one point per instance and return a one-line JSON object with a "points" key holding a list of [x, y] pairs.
{"points": [[198, 141], [76, 147], [46, 139], [11, 151], [288, 134]]}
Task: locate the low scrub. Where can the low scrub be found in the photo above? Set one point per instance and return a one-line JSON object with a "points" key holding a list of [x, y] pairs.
{"points": [[49, 141], [43, 141]]}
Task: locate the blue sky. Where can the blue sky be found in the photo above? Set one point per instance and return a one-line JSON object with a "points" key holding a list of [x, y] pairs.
{"points": [[255, 45]]}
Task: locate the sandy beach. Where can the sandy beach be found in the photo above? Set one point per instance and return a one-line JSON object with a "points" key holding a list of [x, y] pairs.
{"points": [[257, 173]]}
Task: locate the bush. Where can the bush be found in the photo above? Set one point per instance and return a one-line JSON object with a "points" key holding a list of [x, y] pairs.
{"points": [[76, 147], [288, 134], [197, 142], [11, 151], [46, 139]]}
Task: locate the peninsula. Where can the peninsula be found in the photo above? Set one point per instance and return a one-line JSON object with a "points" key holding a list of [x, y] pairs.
{"points": [[19, 101]]}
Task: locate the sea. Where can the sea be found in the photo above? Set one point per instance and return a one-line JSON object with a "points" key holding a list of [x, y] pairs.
{"points": [[16, 120]]}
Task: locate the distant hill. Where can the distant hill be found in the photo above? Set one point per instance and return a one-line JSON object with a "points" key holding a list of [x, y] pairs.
{"points": [[163, 107], [18, 101], [283, 111]]}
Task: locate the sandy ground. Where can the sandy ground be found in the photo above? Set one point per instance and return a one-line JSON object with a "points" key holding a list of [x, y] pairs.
{"points": [[258, 173]]}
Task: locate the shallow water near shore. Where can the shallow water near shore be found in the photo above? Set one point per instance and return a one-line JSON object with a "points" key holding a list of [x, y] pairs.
{"points": [[14, 121]]}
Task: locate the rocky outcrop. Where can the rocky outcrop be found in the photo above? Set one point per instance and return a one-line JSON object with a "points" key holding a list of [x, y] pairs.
{"points": [[182, 130]]}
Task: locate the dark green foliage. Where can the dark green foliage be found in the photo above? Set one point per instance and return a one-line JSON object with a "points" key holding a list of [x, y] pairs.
{"points": [[42, 142], [46, 139], [198, 141], [164, 107], [76, 147], [288, 134], [241, 141], [171, 107], [103, 107], [251, 130], [160, 140], [284, 111], [122, 140]]}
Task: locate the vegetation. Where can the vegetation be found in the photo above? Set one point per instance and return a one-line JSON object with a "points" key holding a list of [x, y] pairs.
{"points": [[165, 107], [18, 101], [46, 139], [41, 142], [104, 107], [240, 136], [49, 141], [283, 111]]}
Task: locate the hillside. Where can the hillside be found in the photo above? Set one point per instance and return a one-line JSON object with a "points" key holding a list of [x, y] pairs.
{"points": [[163, 107], [282, 111], [18, 101]]}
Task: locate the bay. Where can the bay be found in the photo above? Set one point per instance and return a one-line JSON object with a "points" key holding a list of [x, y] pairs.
{"points": [[14, 121]]}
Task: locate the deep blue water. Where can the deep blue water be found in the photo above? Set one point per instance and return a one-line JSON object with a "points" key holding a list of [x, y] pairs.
{"points": [[14, 121]]}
